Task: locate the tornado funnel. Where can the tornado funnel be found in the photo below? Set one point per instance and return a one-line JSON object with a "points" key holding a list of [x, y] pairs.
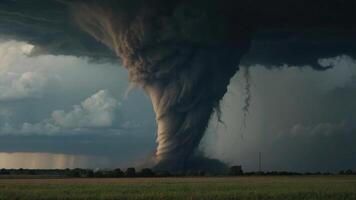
{"points": [[183, 55]]}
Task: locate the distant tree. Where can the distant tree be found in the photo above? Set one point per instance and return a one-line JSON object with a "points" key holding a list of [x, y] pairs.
{"points": [[146, 172], [130, 172], [98, 174], [191, 173], [84, 173], [326, 173], [118, 173], [235, 171], [90, 173], [75, 172], [4, 172], [348, 172], [108, 174], [260, 173], [201, 173], [164, 174], [31, 172]]}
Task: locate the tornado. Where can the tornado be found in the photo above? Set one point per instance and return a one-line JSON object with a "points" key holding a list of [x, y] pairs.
{"points": [[182, 54]]}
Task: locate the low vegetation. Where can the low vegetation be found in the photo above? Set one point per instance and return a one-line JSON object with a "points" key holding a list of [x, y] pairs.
{"points": [[148, 184], [242, 188]]}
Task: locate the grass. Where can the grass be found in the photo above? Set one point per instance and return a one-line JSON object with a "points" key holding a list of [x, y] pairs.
{"points": [[273, 188]]}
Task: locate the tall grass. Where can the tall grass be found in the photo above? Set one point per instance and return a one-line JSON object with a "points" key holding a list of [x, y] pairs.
{"points": [[251, 188]]}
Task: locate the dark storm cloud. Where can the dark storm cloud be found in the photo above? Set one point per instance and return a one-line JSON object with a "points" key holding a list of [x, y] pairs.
{"points": [[182, 53], [293, 32], [48, 26], [277, 47]]}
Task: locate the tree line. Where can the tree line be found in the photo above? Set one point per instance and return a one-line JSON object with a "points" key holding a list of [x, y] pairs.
{"points": [[147, 172]]}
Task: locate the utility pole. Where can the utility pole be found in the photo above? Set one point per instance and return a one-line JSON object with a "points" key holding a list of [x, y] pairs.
{"points": [[260, 162]]}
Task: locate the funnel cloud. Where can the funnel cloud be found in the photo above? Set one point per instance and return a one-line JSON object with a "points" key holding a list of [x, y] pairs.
{"points": [[184, 73]]}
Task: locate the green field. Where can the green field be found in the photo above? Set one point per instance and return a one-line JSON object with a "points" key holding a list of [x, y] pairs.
{"points": [[283, 188]]}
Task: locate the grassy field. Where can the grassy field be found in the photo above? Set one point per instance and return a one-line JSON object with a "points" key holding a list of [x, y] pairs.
{"points": [[283, 188]]}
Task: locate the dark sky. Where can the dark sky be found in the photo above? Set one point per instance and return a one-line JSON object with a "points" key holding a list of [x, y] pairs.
{"points": [[64, 99]]}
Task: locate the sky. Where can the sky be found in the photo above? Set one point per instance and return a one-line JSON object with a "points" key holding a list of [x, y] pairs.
{"points": [[67, 112], [69, 107]]}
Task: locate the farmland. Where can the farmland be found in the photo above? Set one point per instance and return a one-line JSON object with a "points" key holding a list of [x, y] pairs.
{"points": [[261, 187]]}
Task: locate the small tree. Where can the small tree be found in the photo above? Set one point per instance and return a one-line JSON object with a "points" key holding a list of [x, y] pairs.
{"points": [[118, 173], [90, 173], [201, 173], [146, 172], [163, 174], [75, 172], [130, 172], [98, 174], [235, 171], [348, 172], [4, 172]]}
